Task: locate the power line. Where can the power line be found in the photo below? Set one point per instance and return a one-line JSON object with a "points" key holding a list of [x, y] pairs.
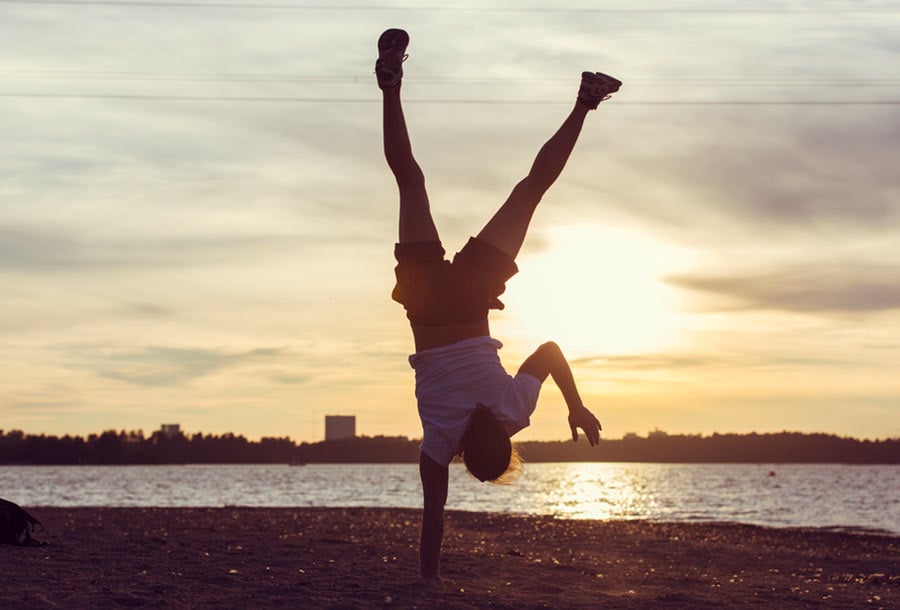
{"points": [[447, 9], [433, 80], [353, 80], [468, 101]]}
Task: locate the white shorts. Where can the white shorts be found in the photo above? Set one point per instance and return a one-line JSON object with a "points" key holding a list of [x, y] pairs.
{"points": [[451, 381]]}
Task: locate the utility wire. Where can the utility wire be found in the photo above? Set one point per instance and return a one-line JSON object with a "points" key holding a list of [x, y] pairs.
{"points": [[454, 9], [471, 101], [668, 85], [432, 80]]}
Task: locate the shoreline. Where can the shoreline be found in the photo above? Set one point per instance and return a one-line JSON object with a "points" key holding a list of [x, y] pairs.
{"points": [[368, 558], [850, 530]]}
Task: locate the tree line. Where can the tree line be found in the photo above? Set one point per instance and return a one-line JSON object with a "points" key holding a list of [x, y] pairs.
{"points": [[132, 447], [782, 447]]}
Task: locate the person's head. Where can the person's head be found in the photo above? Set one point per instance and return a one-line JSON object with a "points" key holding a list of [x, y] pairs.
{"points": [[487, 451]]}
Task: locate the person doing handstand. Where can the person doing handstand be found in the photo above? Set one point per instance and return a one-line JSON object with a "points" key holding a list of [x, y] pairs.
{"points": [[467, 402]]}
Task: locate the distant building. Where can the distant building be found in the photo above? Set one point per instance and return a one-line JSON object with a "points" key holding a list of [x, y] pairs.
{"points": [[339, 426], [169, 430]]}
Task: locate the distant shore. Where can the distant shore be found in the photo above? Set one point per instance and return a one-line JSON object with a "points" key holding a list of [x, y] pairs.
{"points": [[367, 558], [120, 448]]}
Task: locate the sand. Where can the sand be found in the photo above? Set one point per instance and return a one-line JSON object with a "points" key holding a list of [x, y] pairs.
{"points": [[367, 558]]}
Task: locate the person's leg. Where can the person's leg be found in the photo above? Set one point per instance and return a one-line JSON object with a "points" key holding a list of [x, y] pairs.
{"points": [[507, 228], [416, 223]]}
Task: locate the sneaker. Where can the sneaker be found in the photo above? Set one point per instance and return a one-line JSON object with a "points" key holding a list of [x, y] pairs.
{"points": [[596, 87], [391, 55]]}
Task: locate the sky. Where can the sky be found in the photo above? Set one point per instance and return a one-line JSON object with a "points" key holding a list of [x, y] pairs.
{"points": [[197, 222]]}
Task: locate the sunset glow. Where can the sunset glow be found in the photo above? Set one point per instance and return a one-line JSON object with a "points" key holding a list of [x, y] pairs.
{"points": [[595, 289]]}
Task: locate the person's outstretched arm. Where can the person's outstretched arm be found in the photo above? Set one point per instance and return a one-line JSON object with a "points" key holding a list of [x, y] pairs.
{"points": [[434, 489], [548, 359]]}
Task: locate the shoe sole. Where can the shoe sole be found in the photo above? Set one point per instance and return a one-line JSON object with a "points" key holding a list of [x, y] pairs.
{"points": [[393, 39], [602, 79]]}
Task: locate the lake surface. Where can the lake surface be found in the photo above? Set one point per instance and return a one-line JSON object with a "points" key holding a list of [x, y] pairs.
{"points": [[848, 497]]}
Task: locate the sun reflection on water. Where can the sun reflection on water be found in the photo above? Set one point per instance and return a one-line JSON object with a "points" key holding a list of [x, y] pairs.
{"points": [[597, 491]]}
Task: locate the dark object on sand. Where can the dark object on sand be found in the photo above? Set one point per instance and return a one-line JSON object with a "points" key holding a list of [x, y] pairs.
{"points": [[16, 525]]}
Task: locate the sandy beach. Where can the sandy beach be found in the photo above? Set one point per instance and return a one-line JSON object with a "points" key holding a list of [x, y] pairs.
{"points": [[367, 558]]}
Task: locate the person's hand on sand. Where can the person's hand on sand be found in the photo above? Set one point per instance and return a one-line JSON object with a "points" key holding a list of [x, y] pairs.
{"points": [[431, 583], [580, 417]]}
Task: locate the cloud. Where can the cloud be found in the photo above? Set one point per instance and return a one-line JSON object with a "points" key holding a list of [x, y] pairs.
{"points": [[839, 287], [289, 379], [36, 250], [146, 310], [42, 406], [733, 176], [680, 361], [167, 366], [815, 170], [645, 362]]}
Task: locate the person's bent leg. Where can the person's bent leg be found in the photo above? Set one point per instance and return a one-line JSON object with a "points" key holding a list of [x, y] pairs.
{"points": [[548, 359]]}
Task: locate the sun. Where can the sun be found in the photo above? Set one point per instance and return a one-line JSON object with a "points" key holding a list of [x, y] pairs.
{"points": [[596, 290]]}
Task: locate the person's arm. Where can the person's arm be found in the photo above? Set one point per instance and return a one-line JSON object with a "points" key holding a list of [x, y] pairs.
{"points": [[434, 489], [548, 359]]}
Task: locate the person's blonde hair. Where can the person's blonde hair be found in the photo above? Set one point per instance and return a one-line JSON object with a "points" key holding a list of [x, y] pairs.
{"points": [[487, 452], [513, 470]]}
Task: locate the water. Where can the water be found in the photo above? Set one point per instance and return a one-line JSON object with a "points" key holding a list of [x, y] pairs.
{"points": [[799, 495]]}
